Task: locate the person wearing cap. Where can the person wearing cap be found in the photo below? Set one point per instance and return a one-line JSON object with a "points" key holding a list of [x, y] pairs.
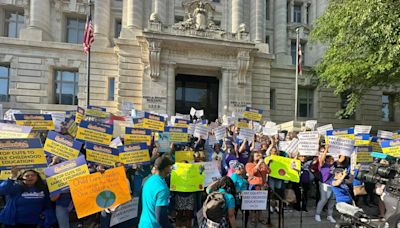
{"points": [[155, 196], [241, 184], [339, 186]]}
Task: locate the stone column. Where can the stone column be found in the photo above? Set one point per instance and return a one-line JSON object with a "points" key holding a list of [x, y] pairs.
{"points": [[160, 9], [102, 23], [171, 89], [259, 23], [39, 21], [291, 11], [225, 91], [304, 13], [280, 25], [135, 12], [237, 14]]}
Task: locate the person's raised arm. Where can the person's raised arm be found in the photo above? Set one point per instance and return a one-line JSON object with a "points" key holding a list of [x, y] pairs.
{"points": [[323, 156]]}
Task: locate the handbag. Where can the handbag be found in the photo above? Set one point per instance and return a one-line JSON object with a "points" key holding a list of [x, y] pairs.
{"points": [[290, 196], [359, 190]]}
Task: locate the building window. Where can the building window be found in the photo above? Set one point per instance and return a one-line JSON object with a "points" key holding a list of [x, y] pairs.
{"points": [[267, 6], [111, 89], [75, 30], [4, 83], [272, 99], [305, 105], [308, 14], [297, 13], [387, 107], [178, 19], [14, 22], [118, 27], [66, 87], [267, 39], [217, 1], [293, 52]]}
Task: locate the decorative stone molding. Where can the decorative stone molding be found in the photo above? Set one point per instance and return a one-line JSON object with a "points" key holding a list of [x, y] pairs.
{"points": [[154, 47], [243, 63]]}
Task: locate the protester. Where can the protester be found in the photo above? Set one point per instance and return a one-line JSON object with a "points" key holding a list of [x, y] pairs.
{"points": [[301, 189], [241, 184]]}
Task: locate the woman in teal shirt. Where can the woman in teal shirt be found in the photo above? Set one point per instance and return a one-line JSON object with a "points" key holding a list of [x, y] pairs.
{"points": [[241, 184]]}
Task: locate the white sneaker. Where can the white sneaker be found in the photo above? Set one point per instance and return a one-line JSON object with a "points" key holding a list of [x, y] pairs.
{"points": [[271, 209], [331, 219], [318, 218], [277, 209]]}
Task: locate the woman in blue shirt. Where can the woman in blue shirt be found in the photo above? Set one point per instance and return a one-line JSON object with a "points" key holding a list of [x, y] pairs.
{"points": [[27, 200], [241, 184]]}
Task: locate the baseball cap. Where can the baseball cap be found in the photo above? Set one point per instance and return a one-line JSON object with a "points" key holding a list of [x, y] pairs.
{"points": [[338, 170], [162, 162]]}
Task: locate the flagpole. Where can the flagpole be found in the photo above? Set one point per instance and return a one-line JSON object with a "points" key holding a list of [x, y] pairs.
{"points": [[88, 64], [297, 74]]}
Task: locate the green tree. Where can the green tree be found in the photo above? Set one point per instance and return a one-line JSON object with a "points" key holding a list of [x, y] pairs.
{"points": [[363, 47]]}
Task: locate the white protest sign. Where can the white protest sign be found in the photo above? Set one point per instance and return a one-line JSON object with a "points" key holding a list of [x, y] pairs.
{"points": [[257, 127], [212, 140], [137, 114], [199, 113], [201, 131], [126, 108], [322, 130], [191, 129], [182, 116], [116, 143], [308, 143], [270, 131], [192, 111], [385, 134], [270, 124], [292, 147], [254, 200], [310, 124], [211, 172], [58, 118], [341, 146], [219, 132], [246, 133], [362, 129], [283, 145], [125, 212], [9, 115]]}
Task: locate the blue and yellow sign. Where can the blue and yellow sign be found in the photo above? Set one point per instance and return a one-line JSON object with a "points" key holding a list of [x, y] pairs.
{"points": [[12, 131], [138, 123], [101, 154], [94, 132], [153, 122], [137, 135], [181, 123], [362, 140], [134, 153], [253, 114], [80, 114], [243, 123], [38, 122], [95, 111], [391, 147], [177, 134], [61, 146], [341, 133]]}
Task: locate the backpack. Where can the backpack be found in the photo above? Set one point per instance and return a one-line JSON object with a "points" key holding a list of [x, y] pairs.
{"points": [[214, 207]]}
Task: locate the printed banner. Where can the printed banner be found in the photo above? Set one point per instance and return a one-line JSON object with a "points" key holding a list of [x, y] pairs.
{"points": [[341, 146], [281, 168], [153, 122], [98, 191], [322, 130], [181, 123], [212, 140], [385, 134], [101, 154], [125, 212], [362, 140], [253, 114], [137, 135], [138, 123], [341, 133], [246, 133], [187, 178], [58, 176], [38, 122], [72, 127], [134, 153], [80, 115], [94, 132], [12, 131], [376, 144], [61, 146], [391, 147], [362, 129], [24, 153], [211, 172], [243, 123], [254, 200], [177, 134], [181, 156], [201, 131], [220, 132], [95, 111], [308, 143]]}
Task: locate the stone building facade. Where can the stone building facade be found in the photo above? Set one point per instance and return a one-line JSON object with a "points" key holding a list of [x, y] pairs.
{"points": [[168, 55]]}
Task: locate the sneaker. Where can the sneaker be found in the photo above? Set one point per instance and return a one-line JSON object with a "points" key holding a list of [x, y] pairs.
{"points": [[271, 209], [318, 218], [331, 219], [277, 209]]}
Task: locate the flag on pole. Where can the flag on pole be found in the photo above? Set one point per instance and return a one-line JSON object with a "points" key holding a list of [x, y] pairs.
{"points": [[299, 55], [88, 37]]}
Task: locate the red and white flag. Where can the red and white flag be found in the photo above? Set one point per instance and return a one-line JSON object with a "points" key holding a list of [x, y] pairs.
{"points": [[299, 56], [88, 37]]}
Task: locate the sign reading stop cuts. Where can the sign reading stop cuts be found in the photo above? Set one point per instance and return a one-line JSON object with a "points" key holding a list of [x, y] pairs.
{"points": [[254, 200]]}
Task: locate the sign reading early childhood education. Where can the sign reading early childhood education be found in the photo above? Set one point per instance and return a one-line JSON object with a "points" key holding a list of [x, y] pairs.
{"points": [[341, 146], [362, 140], [134, 153], [101, 154], [12, 131], [281, 168], [24, 153], [94, 132], [322, 130], [308, 143], [153, 122], [125, 212], [58, 176], [211, 172], [254, 200], [177, 134], [201, 131], [181, 156], [137, 135], [38, 122], [98, 191], [62, 146], [253, 114], [80, 114], [187, 178], [95, 111], [391, 147]]}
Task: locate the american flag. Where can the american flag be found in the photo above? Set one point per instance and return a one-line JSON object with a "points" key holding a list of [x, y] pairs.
{"points": [[88, 37], [299, 56]]}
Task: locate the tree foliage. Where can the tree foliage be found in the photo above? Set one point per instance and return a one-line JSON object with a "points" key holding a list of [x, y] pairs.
{"points": [[363, 46]]}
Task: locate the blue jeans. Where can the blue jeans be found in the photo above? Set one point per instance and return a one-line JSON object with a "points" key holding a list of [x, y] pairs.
{"points": [[62, 214]]}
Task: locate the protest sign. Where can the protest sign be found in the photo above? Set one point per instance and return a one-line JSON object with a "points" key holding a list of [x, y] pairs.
{"points": [[391, 147], [364, 157], [246, 133], [192, 111], [191, 129], [79, 115], [115, 143], [376, 144], [5, 174], [254, 200], [187, 178], [322, 130], [137, 114], [137, 135], [95, 111], [385, 134], [199, 113], [220, 132], [120, 126], [243, 123], [61, 146], [362, 140], [58, 176], [341, 146], [283, 145], [134, 153], [38, 122], [125, 212], [9, 115], [181, 156], [201, 131], [72, 126], [310, 124], [164, 143], [12, 131], [341, 133], [181, 123], [153, 122], [270, 131], [211, 172], [58, 119], [126, 108], [101, 154], [212, 140], [94, 132], [177, 134], [293, 146], [362, 129], [98, 191], [281, 168], [138, 123], [24, 153], [308, 143], [253, 114]]}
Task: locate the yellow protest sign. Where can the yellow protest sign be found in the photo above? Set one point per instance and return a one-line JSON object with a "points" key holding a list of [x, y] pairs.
{"points": [[62, 146], [187, 178], [80, 114], [12, 131], [153, 122], [281, 168], [181, 156], [101, 154], [135, 153], [94, 111], [364, 157], [243, 123], [253, 114], [38, 122], [136, 135], [5, 174], [177, 134], [96, 192], [94, 132]]}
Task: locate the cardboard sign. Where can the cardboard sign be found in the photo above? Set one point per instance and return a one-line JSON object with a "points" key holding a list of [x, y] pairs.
{"points": [[310, 124], [137, 135], [38, 122], [246, 133], [243, 123], [211, 172], [253, 114], [153, 122], [308, 143], [181, 156], [187, 178], [61, 146], [201, 131], [341, 146], [24, 153], [12, 131], [281, 168], [391, 147], [362, 129], [385, 134], [322, 130], [181, 123], [254, 200], [58, 176], [220, 132], [98, 191], [125, 212], [293, 146], [101, 154], [94, 132], [95, 111], [177, 134], [134, 153]]}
